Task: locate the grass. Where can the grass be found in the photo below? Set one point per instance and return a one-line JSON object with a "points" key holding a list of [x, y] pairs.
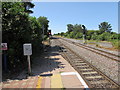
{"points": [[116, 44]]}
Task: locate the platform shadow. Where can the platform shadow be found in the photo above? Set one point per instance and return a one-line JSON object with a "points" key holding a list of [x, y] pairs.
{"points": [[43, 63]]}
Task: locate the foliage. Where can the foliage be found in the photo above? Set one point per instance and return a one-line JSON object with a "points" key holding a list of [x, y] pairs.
{"points": [[116, 44], [90, 33], [105, 27], [27, 6], [62, 33], [70, 28], [19, 28], [78, 35], [44, 23], [103, 34], [15, 31], [77, 28]]}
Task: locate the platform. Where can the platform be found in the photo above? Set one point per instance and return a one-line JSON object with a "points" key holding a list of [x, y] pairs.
{"points": [[49, 71]]}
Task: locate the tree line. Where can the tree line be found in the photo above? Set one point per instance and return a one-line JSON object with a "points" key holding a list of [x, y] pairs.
{"points": [[103, 34], [18, 27]]}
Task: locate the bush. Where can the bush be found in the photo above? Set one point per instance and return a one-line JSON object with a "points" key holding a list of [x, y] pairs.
{"points": [[104, 36], [78, 35], [94, 37], [116, 44], [71, 35], [114, 36]]}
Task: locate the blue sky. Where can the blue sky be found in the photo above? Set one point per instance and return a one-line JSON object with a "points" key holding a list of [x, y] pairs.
{"points": [[91, 14]]}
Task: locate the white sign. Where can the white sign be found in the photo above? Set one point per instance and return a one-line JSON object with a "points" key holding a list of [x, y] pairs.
{"points": [[4, 46], [27, 49]]}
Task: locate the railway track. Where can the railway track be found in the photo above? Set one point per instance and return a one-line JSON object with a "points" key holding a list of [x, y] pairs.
{"points": [[92, 76], [95, 50]]}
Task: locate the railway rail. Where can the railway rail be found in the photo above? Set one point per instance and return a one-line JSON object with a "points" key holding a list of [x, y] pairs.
{"points": [[92, 76], [95, 50]]}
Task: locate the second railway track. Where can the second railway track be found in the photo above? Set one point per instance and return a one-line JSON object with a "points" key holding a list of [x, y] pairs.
{"points": [[92, 76], [95, 50]]}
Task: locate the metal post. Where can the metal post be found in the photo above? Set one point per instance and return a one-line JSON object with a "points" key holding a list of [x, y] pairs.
{"points": [[5, 61], [29, 67]]}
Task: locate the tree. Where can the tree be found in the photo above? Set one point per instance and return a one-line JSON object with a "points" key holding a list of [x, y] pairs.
{"points": [[18, 28], [105, 36], [36, 29], [69, 28], [62, 33], [105, 27], [27, 6], [77, 28], [44, 23], [78, 35], [114, 36], [89, 34]]}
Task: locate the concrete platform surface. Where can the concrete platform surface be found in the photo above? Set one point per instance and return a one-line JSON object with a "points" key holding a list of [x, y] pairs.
{"points": [[49, 71]]}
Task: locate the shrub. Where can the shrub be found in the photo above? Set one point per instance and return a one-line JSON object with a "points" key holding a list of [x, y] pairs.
{"points": [[78, 35]]}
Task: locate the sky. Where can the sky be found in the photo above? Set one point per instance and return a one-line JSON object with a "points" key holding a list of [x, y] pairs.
{"points": [[90, 14]]}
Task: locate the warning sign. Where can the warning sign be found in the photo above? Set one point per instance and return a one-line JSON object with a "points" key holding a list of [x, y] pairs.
{"points": [[27, 49], [4, 46]]}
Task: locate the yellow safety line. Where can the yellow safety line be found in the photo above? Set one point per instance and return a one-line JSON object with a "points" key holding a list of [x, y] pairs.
{"points": [[39, 82], [56, 81]]}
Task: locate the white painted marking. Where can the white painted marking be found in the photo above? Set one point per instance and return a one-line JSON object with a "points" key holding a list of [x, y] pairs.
{"points": [[68, 73], [78, 76], [82, 81]]}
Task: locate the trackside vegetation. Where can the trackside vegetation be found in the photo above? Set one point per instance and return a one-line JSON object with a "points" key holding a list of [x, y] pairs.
{"points": [[103, 34], [18, 27]]}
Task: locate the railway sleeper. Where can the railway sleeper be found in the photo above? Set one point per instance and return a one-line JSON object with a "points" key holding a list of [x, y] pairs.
{"points": [[94, 72], [87, 71], [105, 85], [80, 64], [102, 82], [85, 66], [95, 79]]}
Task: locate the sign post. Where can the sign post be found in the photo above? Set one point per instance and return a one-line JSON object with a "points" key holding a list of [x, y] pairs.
{"points": [[4, 48], [29, 65], [28, 51]]}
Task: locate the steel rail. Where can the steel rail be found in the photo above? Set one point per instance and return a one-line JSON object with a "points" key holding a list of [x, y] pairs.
{"points": [[115, 85], [95, 50]]}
